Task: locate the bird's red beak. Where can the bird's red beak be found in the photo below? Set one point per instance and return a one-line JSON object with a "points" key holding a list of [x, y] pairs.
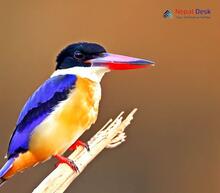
{"points": [[119, 62]]}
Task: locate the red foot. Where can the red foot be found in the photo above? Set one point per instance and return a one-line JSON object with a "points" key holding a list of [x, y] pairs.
{"points": [[67, 161], [77, 144]]}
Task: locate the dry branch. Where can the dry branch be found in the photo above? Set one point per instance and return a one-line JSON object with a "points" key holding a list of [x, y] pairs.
{"points": [[110, 136]]}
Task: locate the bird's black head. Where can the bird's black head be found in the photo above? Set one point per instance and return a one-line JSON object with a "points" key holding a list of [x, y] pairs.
{"points": [[77, 54]]}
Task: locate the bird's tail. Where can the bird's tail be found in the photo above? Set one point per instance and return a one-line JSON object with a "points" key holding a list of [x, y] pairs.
{"points": [[2, 181], [5, 169]]}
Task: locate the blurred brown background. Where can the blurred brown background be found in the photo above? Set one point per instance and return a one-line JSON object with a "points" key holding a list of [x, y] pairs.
{"points": [[173, 144]]}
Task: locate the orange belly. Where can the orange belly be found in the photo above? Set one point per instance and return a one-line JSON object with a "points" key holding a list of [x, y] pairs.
{"points": [[63, 127]]}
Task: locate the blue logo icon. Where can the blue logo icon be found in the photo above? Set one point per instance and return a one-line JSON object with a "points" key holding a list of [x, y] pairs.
{"points": [[168, 14]]}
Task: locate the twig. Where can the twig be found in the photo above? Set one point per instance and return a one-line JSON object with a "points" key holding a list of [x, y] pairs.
{"points": [[110, 136]]}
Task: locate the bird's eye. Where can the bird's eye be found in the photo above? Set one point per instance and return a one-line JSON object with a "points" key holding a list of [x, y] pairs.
{"points": [[78, 55]]}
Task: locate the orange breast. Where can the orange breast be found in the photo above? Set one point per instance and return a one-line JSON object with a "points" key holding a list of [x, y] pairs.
{"points": [[68, 122]]}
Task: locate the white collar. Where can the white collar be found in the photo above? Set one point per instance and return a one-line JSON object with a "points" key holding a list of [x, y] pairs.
{"points": [[93, 73]]}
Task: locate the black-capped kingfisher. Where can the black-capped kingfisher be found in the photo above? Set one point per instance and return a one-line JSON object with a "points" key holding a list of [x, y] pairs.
{"points": [[63, 107]]}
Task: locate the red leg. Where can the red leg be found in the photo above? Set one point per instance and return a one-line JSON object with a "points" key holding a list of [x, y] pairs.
{"points": [[79, 143], [70, 163]]}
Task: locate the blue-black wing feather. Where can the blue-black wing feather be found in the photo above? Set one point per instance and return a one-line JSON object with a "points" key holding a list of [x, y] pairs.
{"points": [[37, 108]]}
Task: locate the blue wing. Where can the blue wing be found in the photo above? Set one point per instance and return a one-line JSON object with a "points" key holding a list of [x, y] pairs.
{"points": [[37, 108]]}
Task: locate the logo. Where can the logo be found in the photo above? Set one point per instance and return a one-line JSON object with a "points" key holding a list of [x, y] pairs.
{"points": [[190, 13], [168, 14]]}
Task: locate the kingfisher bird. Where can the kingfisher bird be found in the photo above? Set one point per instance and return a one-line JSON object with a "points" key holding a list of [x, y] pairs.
{"points": [[63, 107]]}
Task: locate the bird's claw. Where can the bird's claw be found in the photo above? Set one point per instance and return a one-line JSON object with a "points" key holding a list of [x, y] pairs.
{"points": [[67, 161], [79, 143]]}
